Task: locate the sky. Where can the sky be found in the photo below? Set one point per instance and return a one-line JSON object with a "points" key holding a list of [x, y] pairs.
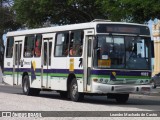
{"points": [[4, 39]]}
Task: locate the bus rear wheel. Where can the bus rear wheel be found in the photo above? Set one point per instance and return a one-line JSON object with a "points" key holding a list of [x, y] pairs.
{"points": [[122, 98], [26, 87], [74, 94]]}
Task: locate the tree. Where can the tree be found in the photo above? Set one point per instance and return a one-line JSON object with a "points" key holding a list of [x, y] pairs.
{"points": [[7, 23], [34, 13], [132, 10]]}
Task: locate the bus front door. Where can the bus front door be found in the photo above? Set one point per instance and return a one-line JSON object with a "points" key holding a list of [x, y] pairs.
{"points": [[17, 63], [87, 63], [46, 61]]}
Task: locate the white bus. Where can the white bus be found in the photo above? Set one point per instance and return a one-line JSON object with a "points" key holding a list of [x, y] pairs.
{"points": [[98, 57]]}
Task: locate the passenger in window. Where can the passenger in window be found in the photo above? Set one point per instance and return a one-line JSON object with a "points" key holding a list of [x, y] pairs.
{"points": [[76, 50], [72, 51], [37, 49]]}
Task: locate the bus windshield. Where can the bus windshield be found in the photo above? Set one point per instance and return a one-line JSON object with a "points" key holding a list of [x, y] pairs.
{"points": [[122, 52]]}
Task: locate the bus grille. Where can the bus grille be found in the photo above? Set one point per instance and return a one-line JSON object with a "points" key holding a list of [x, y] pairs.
{"points": [[124, 89]]}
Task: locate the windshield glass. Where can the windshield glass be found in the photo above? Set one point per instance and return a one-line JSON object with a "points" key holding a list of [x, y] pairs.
{"points": [[120, 52]]}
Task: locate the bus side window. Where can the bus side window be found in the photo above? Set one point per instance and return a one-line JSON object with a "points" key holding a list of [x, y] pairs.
{"points": [[9, 50], [61, 46], [29, 46], [76, 43]]}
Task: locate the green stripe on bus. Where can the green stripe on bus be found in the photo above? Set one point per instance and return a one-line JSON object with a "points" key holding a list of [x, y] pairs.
{"points": [[129, 77], [81, 75], [59, 74], [8, 73], [45, 74]]}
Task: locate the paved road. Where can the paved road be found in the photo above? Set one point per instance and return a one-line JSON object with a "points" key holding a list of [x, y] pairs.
{"points": [[12, 99], [147, 102]]}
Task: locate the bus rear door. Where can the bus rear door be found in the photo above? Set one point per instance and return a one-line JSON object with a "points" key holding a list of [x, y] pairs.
{"points": [[17, 62]]}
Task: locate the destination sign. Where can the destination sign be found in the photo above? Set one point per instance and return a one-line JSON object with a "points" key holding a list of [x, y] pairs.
{"points": [[122, 29]]}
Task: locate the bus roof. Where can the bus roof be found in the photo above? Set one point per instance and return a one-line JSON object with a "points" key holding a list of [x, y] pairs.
{"points": [[87, 25]]}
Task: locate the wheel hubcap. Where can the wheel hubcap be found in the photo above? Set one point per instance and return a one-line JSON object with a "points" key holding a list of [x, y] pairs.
{"points": [[25, 86], [74, 90]]}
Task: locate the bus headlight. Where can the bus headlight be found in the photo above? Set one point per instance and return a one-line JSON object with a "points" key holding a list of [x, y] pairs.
{"points": [[146, 81], [100, 80], [105, 80], [141, 81]]}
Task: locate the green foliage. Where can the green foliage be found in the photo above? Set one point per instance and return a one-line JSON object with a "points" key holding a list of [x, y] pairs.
{"points": [[132, 10], [7, 17], [7, 20], [7, 23], [34, 13]]}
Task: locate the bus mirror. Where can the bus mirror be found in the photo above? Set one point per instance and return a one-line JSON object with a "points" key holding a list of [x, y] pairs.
{"points": [[95, 43]]}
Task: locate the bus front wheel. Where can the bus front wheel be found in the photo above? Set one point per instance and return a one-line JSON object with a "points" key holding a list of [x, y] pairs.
{"points": [[74, 94]]}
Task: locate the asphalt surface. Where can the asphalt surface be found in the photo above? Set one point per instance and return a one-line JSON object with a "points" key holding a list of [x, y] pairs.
{"points": [[12, 99], [149, 102], [18, 89]]}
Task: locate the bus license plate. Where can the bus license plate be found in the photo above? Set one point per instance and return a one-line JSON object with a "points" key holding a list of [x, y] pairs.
{"points": [[145, 89]]}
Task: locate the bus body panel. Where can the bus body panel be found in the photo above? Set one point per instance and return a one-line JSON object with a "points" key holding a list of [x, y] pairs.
{"points": [[53, 74]]}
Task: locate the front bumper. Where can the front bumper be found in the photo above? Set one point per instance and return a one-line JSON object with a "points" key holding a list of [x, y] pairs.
{"points": [[106, 88]]}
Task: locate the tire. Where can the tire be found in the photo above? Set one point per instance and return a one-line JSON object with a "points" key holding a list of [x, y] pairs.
{"points": [[154, 86], [122, 98], [74, 94], [26, 87]]}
